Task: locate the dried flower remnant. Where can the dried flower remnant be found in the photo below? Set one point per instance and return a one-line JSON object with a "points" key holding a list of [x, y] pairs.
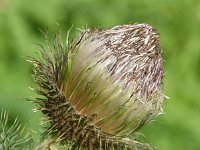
{"points": [[103, 87]]}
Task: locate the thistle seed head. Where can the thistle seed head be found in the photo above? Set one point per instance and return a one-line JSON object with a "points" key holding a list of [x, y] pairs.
{"points": [[104, 87], [121, 71]]}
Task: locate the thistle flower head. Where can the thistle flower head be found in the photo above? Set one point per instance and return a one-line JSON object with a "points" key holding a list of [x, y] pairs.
{"points": [[104, 87]]}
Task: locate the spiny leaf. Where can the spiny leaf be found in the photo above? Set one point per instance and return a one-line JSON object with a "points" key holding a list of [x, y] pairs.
{"points": [[13, 137]]}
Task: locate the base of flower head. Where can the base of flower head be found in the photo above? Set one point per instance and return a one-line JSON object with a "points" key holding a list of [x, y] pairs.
{"points": [[65, 124]]}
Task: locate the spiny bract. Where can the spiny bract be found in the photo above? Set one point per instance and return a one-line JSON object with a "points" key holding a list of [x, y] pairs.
{"points": [[102, 87], [13, 137]]}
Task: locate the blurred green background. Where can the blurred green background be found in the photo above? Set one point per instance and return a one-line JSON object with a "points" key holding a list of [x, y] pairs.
{"points": [[178, 22]]}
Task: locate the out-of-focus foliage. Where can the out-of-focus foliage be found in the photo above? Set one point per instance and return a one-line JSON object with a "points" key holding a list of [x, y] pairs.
{"points": [[13, 137], [178, 22]]}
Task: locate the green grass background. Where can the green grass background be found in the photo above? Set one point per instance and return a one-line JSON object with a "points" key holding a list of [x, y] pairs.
{"points": [[178, 22]]}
